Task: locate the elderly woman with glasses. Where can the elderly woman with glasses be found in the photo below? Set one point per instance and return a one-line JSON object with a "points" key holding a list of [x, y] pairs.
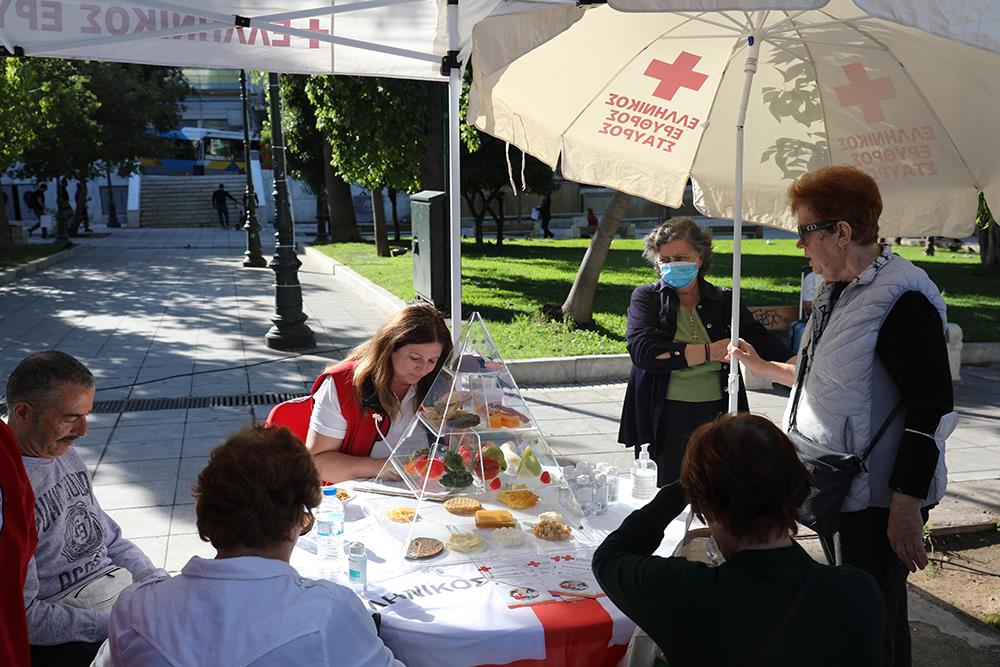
{"points": [[875, 341], [247, 606], [678, 335]]}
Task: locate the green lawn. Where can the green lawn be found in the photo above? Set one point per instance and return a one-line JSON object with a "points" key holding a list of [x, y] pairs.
{"points": [[22, 254], [510, 290]]}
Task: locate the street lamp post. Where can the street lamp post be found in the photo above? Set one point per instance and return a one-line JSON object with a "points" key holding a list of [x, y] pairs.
{"points": [[253, 256], [290, 331]]}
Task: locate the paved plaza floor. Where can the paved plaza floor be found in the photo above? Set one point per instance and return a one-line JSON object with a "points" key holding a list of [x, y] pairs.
{"points": [[171, 314]]}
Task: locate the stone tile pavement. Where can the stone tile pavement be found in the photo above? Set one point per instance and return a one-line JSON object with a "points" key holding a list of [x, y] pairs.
{"points": [[171, 313]]}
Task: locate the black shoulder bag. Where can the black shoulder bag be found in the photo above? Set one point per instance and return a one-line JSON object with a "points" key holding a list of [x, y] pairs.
{"points": [[832, 471]]}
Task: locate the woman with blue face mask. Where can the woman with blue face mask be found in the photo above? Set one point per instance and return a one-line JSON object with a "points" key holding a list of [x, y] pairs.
{"points": [[678, 337]]}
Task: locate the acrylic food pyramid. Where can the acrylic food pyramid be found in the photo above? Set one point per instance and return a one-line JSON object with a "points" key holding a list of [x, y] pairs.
{"points": [[474, 438]]}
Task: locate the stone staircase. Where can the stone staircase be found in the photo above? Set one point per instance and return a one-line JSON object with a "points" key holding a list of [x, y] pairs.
{"points": [[186, 201]]}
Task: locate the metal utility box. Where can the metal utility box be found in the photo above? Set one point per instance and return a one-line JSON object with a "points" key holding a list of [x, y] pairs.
{"points": [[431, 262]]}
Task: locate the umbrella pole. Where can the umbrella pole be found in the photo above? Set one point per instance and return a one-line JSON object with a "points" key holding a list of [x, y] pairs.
{"points": [[454, 172], [734, 369]]}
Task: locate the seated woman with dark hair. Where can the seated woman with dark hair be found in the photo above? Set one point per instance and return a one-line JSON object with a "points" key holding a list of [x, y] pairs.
{"points": [[769, 603], [247, 606]]}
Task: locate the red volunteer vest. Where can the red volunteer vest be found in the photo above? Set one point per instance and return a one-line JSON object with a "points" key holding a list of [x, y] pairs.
{"points": [[361, 432], [18, 538]]}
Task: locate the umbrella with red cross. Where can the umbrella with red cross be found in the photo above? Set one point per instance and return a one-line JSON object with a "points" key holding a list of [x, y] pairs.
{"points": [[643, 102]]}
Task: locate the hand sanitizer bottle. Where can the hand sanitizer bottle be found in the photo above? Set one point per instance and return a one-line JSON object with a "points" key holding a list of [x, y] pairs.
{"points": [[643, 476]]}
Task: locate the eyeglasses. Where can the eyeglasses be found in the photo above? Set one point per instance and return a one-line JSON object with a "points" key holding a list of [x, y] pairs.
{"points": [[813, 226]]}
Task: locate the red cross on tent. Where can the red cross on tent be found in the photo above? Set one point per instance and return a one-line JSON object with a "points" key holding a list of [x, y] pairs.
{"points": [[314, 27], [676, 75], [868, 94]]}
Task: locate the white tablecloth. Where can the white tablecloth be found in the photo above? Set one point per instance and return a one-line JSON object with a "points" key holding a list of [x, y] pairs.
{"points": [[452, 614]]}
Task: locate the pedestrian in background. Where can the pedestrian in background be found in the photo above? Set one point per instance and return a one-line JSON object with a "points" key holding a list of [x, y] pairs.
{"points": [[545, 214], [64, 209], [221, 207], [81, 214], [35, 199]]}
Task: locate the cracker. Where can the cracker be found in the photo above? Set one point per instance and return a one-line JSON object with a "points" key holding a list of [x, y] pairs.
{"points": [[423, 547]]}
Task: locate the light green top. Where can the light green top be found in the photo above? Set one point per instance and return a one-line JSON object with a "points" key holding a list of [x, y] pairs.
{"points": [[694, 384]]}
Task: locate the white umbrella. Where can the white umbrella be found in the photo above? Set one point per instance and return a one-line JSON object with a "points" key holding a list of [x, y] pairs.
{"points": [[640, 102]]}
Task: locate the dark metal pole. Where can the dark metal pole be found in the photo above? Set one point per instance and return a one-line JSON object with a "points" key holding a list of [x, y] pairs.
{"points": [[290, 331], [112, 209], [253, 255]]}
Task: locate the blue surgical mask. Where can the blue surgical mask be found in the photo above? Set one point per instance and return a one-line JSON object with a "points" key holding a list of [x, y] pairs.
{"points": [[679, 274]]}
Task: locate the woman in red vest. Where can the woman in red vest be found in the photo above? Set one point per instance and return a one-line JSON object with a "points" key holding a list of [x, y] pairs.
{"points": [[375, 392]]}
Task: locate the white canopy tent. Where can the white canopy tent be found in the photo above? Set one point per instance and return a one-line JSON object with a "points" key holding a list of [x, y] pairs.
{"points": [[411, 39]]}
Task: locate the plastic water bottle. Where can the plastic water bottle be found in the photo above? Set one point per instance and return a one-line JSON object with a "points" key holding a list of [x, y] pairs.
{"points": [[600, 494], [357, 567], [643, 476], [585, 494], [612, 474], [330, 532]]}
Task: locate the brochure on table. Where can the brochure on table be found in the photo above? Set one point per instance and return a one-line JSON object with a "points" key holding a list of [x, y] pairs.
{"points": [[474, 436]]}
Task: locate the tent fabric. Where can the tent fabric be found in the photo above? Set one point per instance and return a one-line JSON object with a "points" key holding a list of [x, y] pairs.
{"points": [[928, 138], [394, 38]]}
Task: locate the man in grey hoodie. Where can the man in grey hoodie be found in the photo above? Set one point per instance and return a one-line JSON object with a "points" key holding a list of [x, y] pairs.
{"points": [[82, 561]]}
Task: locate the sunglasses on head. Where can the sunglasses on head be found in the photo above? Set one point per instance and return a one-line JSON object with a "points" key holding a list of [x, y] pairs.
{"points": [[813, 226]]}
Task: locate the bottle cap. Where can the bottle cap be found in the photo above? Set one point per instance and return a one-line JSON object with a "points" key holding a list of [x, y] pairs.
{"points": [[329, 490], [357, 549]]}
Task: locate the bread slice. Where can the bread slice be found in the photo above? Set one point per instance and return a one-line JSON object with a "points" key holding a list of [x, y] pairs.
{"points": [[494, 519]]}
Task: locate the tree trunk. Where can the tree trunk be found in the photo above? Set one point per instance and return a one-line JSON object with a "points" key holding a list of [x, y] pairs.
{"points": [[989, 246], [340, 204], [79, 206], [378, 219], [579, 304], [395, 214], [5, 237]]}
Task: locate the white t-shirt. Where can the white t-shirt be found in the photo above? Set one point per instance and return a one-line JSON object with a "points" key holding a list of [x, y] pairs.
{"points": [[328, 420]]}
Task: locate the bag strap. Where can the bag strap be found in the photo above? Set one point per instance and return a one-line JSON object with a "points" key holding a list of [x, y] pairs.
{"points": [[800, 378], [881, 429], [789, 613]]}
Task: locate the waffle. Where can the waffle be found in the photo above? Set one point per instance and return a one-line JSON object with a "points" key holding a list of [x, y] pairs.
{"points": [[494, 519], [423, 547], [517, 500], [462, 505]]}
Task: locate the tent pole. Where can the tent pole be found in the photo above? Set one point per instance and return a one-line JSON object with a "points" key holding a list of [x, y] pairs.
{"points": [[454, 169], [734, 328]]}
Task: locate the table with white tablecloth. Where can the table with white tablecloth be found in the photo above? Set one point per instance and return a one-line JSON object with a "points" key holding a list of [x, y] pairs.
{"points": [[445, 611]]}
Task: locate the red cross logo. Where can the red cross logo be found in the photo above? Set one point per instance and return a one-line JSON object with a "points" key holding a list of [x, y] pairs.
{"points": [[534, 563], [568, 558], [865, 93], [675, 75], [485, 568], [556, 558], [314, 27]]}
